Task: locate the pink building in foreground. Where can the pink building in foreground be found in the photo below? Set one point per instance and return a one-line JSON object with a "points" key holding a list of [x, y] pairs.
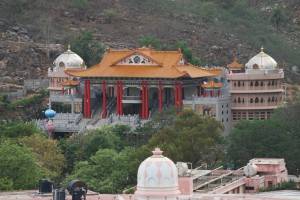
{"points": [[159, 178]]}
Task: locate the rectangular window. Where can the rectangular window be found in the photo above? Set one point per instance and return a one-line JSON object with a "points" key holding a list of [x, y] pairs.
{"points": [[250, 116]]}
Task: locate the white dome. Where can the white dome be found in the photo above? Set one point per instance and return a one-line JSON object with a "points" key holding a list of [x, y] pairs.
{"points": [[250, 170], [261, 61], [158, 176], [69, 59]]}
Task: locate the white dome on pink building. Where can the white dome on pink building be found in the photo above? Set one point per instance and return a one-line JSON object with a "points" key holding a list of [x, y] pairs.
{"points": [[261, 61], [69, 60], [158, 177]]}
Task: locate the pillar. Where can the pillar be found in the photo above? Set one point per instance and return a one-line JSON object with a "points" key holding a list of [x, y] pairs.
{"points": [[160, 97], [104, 103], [87, 99], [119, 98], [178, 95], [63, 90], [145, 101]]}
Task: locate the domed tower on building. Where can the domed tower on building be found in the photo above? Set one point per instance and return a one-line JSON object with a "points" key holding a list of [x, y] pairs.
{"points": [[157, 178], [64, 89], [257, 89]]}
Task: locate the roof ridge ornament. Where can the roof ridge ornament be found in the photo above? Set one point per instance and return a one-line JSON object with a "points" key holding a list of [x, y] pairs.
{"points": [[157, 152], [262, 49]]}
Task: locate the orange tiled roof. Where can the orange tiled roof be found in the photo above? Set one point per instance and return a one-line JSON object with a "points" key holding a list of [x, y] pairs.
{"points": [[166, 66], [70, 83], [235, 64], [212, 84]]}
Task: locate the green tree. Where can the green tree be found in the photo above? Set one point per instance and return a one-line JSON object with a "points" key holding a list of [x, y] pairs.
{"points": [[187, 53], [110, 15], [80, 4], [82, 147], [278, 18], [191, 138], [149, 40], [17, 129], [278, 137], [47, 154], [107, 171], [18, 166], [90, 50]]}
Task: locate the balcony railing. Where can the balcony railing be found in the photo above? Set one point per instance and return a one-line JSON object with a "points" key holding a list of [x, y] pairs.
{"points": [[65, 98], [131, 98]]}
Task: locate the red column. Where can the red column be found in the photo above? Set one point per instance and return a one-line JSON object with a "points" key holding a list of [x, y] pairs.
{"points": [[104, 108], [176, 95], [84, 100], [119, 98], [160, 96], [87, 99], [146, 101], [142, 100], [180, 95]]}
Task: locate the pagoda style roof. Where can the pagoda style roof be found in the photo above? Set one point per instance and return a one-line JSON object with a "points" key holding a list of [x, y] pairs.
{"points": [[235, 64], [70, 83], [143, 63], [212, 84]]}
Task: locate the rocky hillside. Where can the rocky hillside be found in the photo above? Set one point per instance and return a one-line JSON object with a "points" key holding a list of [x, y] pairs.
{"points": [[33, 32]]}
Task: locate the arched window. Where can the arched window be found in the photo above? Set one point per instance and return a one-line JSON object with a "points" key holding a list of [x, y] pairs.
{"points": [[251, 100], [269, 83], [273, 99], [273, 82], [239, 83], [243, 100], [243, 83], [239, 100], [234, 83], [256, 83], [261, 100], [261, 83], [234, 100], [269, 99], [251, 83], [256, 100]]}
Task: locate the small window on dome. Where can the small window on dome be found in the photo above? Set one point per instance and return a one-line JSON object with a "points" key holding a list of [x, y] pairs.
{"points": [[61, 64], [255, 66]]}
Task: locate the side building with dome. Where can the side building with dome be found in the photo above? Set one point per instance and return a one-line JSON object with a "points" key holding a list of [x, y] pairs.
{"points": [[64, 90], [256, 89]]}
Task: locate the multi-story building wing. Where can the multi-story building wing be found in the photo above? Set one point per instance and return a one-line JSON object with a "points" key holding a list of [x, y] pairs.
{"points": [[256, 88]]}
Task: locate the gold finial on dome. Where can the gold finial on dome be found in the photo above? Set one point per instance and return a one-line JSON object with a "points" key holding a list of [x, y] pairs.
{"points": [[157, 152]]}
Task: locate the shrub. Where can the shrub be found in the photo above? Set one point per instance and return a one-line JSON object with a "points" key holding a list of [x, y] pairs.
{"points": [[110, 15]]}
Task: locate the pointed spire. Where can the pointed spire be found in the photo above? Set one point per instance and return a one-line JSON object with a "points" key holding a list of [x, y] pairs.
{"points": [[262, 49]]}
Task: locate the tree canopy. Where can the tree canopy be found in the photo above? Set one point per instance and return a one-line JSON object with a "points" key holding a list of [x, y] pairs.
{"points": [[191, 138], [18, 167], [278, 137], [90, 50]]}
